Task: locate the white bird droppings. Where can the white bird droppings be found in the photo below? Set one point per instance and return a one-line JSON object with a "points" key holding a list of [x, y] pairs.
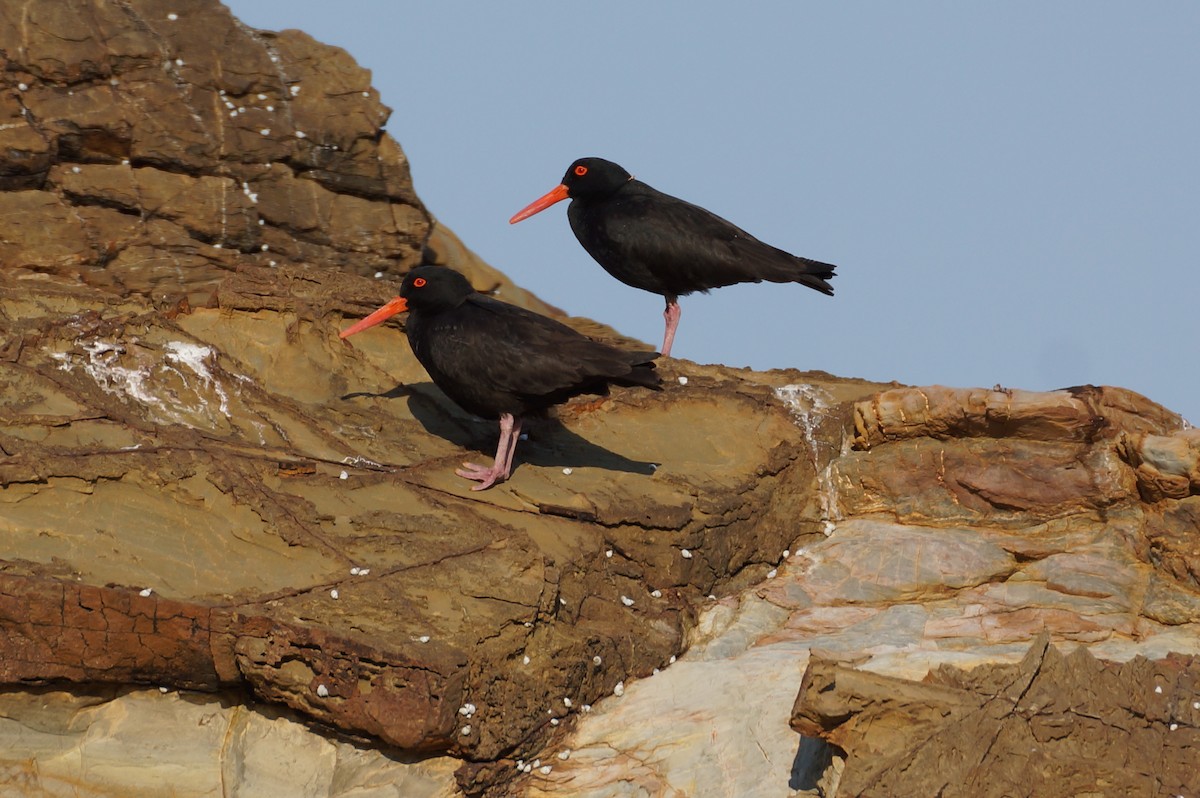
{"points": [[596, 660], [672, 659], [545, 770], [423, 638], [1196, 705], [162, 689], [355, 570], [685, 554], [178, 62], [553, 721], [23, 87], [683, 380], [146, 592], [1158, 688], [655, 672], [76, 169], [586, 708], [294, 90], [656, 593], [465, 730], [608, 553], [364, 571], [266, 131], [786, 553], [301, 134], [564, 754], [344, 475], [567, 702], [771, 573], [567, 471], [619, 690], [525, 659], [1174, 726], [262, 96], [627, 601], [378, 275], [466, 710], [333, 594], [322, 691], [173, 16]]}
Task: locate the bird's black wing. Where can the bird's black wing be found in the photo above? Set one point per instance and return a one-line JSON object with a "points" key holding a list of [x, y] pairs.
{"points": [[690, 248], [509, 350]]}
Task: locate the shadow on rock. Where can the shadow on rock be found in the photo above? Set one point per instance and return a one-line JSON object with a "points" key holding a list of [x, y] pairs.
{"points": [[549, 444], [813, 758]]}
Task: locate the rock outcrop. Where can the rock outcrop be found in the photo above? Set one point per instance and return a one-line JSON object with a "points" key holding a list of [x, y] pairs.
{"points": [[203, 490], [1051, 725]]}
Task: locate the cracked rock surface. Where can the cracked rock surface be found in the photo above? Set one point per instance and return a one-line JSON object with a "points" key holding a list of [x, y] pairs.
{"points": [[203, 489], [1053, 724]]}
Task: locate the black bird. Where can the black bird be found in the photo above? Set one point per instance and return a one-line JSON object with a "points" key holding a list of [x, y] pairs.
{"points": [[659, 243], [500, 361]]}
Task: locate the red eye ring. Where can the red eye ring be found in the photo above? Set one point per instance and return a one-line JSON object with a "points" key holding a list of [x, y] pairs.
{"points": [[419, 282], [581, 170]]}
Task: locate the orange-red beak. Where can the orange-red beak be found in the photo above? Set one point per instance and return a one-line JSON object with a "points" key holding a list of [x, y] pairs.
{"points": [[397, 305], [557, 194]]}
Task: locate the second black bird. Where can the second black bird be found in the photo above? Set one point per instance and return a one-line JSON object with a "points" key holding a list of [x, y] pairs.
{"points": [[662, 244]]}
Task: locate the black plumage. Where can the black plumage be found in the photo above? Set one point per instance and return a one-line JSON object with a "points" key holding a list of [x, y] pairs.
{"points": [[499, 361], [665, 245]]}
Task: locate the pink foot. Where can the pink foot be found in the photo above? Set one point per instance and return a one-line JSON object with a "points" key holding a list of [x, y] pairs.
{"points": [[510, 431], [486, 477]]}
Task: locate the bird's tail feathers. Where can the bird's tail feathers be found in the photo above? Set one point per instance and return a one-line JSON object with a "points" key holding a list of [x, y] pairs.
{"points": [[643, 371], [812, 273]]}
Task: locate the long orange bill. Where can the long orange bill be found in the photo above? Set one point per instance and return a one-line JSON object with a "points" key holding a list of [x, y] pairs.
{"points": [[397, 305], [557, 194]]}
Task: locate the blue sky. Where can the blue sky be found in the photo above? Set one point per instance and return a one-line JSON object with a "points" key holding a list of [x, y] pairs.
{"points": [[1011, 191]]}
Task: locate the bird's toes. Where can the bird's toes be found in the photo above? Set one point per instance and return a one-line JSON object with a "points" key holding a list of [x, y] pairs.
{"points": [[486, 477]]}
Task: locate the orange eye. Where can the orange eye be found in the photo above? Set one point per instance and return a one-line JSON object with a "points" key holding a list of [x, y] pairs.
{"points": [[419, 282], [581, 170]]}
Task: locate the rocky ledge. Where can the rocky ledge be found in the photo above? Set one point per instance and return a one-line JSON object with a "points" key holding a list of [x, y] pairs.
{"points": [[236, 555]]}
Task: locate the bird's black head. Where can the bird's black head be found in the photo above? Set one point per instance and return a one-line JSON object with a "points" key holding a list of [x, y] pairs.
{"points": [[594, 177], [587, 178], [435, 288], [428, 288]]}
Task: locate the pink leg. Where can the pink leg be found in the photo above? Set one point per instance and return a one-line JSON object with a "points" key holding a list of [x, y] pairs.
{"points": [[671, 316], [502, 465], [512, 446]]}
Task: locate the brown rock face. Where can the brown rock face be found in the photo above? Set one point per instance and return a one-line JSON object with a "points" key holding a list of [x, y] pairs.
{"points": [[1052, 725], [154, 148], [202, 487]]}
